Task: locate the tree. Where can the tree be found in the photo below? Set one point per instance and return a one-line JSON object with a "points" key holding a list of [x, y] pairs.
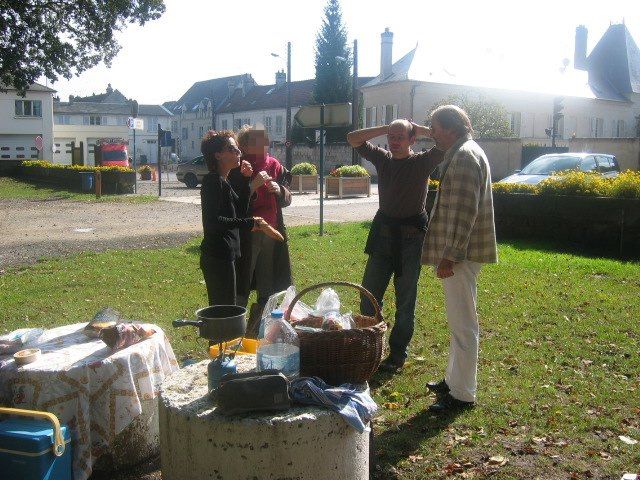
{"points": [[333, 58], [62, 38], [489, 119], [333, 64]]}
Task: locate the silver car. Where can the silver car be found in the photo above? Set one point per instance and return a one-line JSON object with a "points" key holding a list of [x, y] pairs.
{"points": [[542, 167], [191, 173]]}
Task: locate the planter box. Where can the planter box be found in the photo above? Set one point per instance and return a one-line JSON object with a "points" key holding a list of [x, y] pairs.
{"points": [[347, 186], [609, 224], [304, 183]]}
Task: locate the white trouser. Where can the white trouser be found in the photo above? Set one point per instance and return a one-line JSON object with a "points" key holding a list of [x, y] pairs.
{"points": [[460, 293]]}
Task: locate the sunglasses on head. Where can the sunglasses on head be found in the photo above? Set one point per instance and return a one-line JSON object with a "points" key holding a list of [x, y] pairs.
{"points": [[232, 149]]}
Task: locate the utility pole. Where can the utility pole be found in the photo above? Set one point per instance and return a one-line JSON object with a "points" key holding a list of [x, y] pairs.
{"points": [[134, 114], [288, 159], [355, 102]]}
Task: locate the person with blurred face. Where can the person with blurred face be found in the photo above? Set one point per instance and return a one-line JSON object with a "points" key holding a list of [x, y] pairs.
{"points": [[265, 265], [460, 238], [223, 216], [395, 240]]}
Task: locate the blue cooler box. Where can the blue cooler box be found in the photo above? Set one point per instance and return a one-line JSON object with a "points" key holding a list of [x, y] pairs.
{"points": [[26, 450]]}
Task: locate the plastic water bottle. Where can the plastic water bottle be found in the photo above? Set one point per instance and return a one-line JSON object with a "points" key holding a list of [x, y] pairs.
{"points": [[279, 347]]}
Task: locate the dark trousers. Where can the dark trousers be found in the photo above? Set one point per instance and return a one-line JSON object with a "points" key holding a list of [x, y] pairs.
{"points": [[376, 278], [220, 278]]}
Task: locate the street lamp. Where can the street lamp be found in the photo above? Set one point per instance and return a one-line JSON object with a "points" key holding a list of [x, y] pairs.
{"points": [[287, 144], [355, 99]]}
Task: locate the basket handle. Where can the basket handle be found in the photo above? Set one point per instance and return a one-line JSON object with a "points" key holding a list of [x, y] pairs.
{"points": [[58, 440], [362, 290]]}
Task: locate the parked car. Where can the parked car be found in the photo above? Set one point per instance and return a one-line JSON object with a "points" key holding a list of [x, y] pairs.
{"points": [[543, 166], [191, 173]]}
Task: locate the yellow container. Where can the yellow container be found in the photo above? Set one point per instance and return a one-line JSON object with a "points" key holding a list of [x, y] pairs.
{"points": [[248, 346]]}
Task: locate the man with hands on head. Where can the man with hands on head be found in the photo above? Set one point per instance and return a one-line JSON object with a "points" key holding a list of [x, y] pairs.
{"points": [[460, 238], [397, 232]]}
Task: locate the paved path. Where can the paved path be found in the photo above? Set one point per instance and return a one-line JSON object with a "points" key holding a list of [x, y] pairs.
{"points": [[30, 230]]}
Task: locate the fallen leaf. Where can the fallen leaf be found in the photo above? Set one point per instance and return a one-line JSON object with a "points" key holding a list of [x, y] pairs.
{"points": [[497, 460], [415, 458], [627, 440]]}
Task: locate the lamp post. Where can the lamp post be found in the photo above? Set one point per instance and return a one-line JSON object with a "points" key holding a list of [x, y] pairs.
{"points": [[134, 114], [287, 144], [355, 97]]}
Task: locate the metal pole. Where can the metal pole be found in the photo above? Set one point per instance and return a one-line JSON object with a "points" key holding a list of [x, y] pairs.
{"points": [[288, 159], [355, 101], [321, 169], [135, 173], [160, 132]]}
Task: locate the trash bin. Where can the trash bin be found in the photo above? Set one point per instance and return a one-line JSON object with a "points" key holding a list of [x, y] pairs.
{"points": [[87, 181]]}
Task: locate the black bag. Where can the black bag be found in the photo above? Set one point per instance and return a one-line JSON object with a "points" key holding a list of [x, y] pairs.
{"points": [[252, 392]]}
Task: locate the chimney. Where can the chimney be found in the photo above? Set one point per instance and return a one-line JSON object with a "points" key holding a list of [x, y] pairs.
{"points": [[109, 89], [386, 48], [71, 98], [281, 78], [580, 55]]}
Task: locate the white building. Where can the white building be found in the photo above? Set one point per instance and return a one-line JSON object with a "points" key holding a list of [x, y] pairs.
{"points": [[85, 119], [22, 119], [600, 94]]}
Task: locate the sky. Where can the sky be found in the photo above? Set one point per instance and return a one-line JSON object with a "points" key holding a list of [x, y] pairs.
{"points": [[198, 40]]}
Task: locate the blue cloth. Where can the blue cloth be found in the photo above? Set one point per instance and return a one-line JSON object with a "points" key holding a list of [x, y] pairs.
{"points": [[354, 404]]}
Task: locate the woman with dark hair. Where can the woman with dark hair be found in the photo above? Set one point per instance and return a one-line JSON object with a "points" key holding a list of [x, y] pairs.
{"points": [[223, 215]]}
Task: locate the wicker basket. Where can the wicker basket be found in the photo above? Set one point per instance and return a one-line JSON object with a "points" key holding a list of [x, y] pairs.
{"points": [[341, 356]]}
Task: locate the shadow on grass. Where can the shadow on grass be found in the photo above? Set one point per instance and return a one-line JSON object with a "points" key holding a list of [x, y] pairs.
{"points": [[568, 247], [193, 249], [398, 442]]}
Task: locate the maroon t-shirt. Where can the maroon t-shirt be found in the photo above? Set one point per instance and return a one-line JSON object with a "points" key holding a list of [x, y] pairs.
{"points": [[402, 183]]}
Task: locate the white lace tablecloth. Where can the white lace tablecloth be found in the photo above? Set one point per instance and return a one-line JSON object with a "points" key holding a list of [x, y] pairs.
{"points": [[94, 390]]}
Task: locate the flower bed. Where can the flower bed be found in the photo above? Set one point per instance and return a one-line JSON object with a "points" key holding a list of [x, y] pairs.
{"points": [[115, 180], [349, 180], [304, 178]]}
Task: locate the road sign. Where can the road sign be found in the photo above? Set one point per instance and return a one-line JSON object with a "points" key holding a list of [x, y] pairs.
{"points": [[335, 115], [135, 123], [38, 142]]}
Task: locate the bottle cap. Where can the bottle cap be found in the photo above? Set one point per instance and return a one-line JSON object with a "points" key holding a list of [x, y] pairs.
{"points": [[277, 313]]}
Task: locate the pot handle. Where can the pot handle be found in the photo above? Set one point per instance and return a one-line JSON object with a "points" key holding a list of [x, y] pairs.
{"points": [[184, 323]]}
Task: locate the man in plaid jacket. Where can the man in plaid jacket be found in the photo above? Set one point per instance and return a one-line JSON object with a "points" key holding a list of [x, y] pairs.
{"points": [[460, 238]]}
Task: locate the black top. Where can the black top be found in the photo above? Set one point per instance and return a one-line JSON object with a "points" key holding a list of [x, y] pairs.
{"points": [[223, 212]]}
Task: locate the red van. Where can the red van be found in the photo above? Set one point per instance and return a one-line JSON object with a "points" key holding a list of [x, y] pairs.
{"points": [[110, 152]]}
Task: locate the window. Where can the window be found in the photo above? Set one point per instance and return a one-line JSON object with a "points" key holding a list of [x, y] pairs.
{"points": [[588, 164], [193, 144], [560, 128], [267, 124], [192, 126], [185, 133], [152, 124], [28, 108], [597, 126], [200, 132], [371, 114], [224, 124], [389, 113], [247, 121], [63, 119], [94, 120], [237, 124], [174, 126], [279, 124], [514, 123], [619, 129]]}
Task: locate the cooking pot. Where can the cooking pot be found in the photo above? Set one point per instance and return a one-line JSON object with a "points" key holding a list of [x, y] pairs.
{"points": [[218, 323]]}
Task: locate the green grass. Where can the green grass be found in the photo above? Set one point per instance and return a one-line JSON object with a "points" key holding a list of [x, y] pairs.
{"points": [[559, 363], [11, 189]]}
